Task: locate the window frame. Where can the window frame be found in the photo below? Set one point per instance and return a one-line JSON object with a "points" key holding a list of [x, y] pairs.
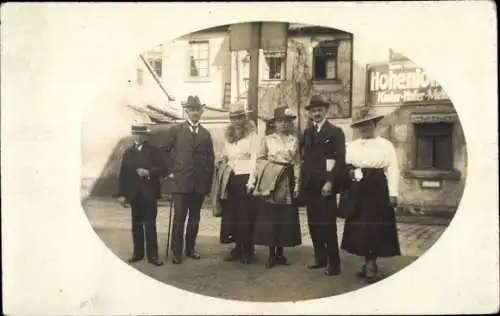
{"points": [[280, 58], [433, 132], [190, 43], [317, 53]]}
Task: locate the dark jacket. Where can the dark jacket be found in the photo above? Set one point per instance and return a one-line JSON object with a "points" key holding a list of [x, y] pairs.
{"points": [[129, 182], [316, 148], [190, 160]]}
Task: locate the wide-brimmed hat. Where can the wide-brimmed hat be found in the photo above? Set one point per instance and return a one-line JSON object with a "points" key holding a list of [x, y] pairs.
{"points": [[365, 114], [237, 110], [283, 113], [317, 101], [138, 129], [192, 102]]}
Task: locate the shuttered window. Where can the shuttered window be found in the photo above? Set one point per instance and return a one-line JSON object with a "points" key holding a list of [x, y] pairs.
{"points": [[434, 146]]}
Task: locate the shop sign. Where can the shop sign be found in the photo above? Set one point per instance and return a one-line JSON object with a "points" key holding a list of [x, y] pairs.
{"points": [[401, 83]]}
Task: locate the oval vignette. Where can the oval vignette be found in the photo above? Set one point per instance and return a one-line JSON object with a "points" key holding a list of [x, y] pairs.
{"points": [[295, 62]]}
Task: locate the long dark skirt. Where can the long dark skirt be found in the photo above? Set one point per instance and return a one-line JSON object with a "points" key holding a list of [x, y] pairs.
{"points": [[278, 224], [237, 212], [371, 229]]}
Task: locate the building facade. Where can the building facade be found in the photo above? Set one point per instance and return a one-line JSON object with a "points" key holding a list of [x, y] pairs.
{"points": [[422, 123]]}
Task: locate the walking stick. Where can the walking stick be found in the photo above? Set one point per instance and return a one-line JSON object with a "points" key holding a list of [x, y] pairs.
{"points": [[169, 224]]}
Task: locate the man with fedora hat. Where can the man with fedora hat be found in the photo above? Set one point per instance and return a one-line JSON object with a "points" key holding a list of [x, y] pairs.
{"points": [[323, 152], [139, 185], [190, 171]]}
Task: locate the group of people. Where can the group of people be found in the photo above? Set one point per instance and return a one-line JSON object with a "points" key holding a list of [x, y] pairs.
{"points": [[258, 184]]}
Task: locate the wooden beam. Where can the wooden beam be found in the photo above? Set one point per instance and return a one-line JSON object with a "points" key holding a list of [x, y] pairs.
{"points": [[151, 71], [253, 87]]}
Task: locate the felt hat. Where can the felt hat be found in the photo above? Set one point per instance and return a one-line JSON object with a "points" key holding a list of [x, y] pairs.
{"points": [[316, 101], [192, 102], [283, 113]]}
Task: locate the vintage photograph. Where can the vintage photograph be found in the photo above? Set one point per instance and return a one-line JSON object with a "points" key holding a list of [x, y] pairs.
{"points": [[263, 162]]}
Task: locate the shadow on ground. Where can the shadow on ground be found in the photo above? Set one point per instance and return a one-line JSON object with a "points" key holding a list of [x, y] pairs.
{"points": [[213, 277]]}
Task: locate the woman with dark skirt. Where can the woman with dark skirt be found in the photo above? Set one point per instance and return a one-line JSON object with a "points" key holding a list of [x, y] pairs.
{"points": [[277, 225], [370, 228], [238, 211]]}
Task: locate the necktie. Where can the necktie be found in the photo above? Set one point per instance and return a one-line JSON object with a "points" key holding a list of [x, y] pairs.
{"points": [[194, 128]]}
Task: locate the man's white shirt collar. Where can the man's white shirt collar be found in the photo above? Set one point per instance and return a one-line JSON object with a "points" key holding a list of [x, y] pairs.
{"points": [[319, 125], [193, 127]]}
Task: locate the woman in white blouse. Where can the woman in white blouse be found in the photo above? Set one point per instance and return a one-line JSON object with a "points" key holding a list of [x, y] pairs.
{"points": [[370, 230], [277, 223], [238, 213]]}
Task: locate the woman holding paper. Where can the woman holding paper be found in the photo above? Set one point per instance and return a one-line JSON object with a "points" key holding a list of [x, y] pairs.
{"points": [[277, 225], [370, 228]]}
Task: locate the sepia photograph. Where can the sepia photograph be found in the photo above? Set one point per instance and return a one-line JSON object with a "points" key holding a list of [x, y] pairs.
{"points": [[249, 158], [254, 154]]}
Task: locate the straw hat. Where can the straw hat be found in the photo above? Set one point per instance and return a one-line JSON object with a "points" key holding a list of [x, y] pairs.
{"points": [[237, 110], [365, 114]]}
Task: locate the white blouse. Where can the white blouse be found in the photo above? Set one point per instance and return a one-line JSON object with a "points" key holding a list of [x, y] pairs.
{"points": [[377, 152], [242, 155]]}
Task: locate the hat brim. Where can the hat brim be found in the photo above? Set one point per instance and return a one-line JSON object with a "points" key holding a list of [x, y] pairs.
{"points": [[192, 106], [283, 118], [239, 113], [311, 106], [368, 119]]}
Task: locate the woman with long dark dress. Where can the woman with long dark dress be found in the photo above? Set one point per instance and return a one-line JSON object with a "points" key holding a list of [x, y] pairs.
{"points": [[370, 228], [277, 225], [239, 210]]}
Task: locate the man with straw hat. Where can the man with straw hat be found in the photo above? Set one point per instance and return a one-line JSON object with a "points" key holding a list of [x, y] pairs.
{"points": [[190, 171], [139, 185], [323, 149], [239, 152]]}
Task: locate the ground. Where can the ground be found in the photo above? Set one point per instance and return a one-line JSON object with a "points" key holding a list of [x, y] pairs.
{"points": [[213, 277]]}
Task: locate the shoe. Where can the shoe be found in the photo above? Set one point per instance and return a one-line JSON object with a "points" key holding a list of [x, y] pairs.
{"points": [[362, 272], [246, 259], [332, 270], [232, 256], [271, 262], [371, 272], [282, 260], [135, 259], [156, 262], [193, 255], [176, 260], [316, 265]]}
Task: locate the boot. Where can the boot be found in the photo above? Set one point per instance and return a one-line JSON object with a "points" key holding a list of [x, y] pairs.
{"points": [[362, 272], [271, 261], [280, 258], [371, 271]]}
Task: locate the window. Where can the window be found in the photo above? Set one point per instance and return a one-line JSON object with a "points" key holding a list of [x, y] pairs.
{"points": [[325, 60], [198, 55], [434, 146], [155, 61], [274, 68]]}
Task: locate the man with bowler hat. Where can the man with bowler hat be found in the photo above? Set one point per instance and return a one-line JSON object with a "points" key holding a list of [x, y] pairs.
{"points": [[139, 186], [323, 152], [190, 173]]}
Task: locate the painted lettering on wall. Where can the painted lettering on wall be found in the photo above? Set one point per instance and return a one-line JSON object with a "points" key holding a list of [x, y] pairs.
{"points": [[389, 84]]}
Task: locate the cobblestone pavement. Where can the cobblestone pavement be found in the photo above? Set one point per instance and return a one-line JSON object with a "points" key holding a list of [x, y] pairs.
{"points": [[213, 277]]}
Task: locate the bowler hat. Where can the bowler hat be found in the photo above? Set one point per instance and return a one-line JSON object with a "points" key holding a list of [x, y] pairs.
{"points": [[192, 102], [140, 129], [365, 114], [316, 101], [283, 113], [237, 110]]}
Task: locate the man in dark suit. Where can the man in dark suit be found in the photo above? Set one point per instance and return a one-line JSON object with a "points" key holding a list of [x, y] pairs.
{"points": [[139, 185], [190, 174], [323, 152]]}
